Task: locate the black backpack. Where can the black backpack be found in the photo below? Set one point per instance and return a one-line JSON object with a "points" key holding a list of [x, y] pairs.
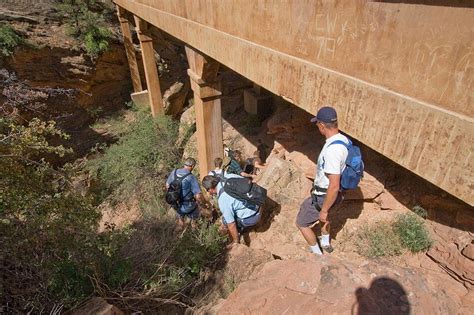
{"points": [[174, 195], [244, 190], [220, 176]]}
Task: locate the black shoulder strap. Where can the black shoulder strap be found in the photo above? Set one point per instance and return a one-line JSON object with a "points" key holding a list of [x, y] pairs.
{"points": [[223, 181], [182, 177]]}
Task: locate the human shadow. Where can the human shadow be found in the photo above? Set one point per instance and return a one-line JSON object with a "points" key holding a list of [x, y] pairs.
{"points": [[384, 296], [270, 210], [348, 209]]}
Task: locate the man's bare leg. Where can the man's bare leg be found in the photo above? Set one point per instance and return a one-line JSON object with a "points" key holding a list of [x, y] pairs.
{"points": [[180, 224], [310, 238]]}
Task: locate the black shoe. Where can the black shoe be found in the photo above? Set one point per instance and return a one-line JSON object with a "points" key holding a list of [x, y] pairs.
{"points": [[327, 249]]}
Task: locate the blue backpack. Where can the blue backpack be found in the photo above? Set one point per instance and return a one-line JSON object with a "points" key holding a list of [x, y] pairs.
{"points": [[354, 170]]}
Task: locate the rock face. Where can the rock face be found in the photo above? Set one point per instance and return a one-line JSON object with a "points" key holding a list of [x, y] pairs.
{"points": [[287, 187], [99, 86], [175, 97], [327, 285], [242, 263], [453, 251]]}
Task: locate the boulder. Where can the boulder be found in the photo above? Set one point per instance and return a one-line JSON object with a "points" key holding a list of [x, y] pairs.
{"points": [[304, 162], [286, 183], [174, 98], [243, 261], [287, 187]]}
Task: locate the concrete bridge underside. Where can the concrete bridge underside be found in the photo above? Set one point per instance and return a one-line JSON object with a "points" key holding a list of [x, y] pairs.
{"points": [[400, 75]]}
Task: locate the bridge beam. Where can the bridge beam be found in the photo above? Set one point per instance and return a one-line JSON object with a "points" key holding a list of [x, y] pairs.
{"points": [[149, 64], [207, 103], [129, 49]]}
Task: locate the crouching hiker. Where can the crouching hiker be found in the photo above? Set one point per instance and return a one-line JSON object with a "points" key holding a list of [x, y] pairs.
{"points": [[183, 192], [239, 202], [232, 165], [254, 164]]}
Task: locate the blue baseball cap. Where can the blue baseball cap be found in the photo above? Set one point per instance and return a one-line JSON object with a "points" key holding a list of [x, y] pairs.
{"points": [[325, 114]]}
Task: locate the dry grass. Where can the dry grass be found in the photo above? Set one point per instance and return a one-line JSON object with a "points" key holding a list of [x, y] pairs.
{"points": [[392, 238]]}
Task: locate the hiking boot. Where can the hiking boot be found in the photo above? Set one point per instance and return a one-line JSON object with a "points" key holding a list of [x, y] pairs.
{"points": [[327, 249]]}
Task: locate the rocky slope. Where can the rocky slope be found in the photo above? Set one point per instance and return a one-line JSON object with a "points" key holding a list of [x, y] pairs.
{"points": [[296, 282]]}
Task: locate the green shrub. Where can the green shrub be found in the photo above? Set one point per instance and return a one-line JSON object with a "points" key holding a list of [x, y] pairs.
{"points": [[96, 40], [94, 112], [45, 228], [377, 240], [388, 239], [166, 264], [198, 246], [420, 211], [52, 255], [8, 40], [145, 150], [85, 19], [412, 232]]}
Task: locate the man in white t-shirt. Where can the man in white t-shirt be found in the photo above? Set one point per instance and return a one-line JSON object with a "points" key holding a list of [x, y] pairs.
{"points": [[326, 191]]}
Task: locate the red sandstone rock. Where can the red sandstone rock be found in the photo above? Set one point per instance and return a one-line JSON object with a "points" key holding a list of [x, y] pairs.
{"points": [[369, 189], [387, 201], [319, 285], [447, 253], [468, 251]]}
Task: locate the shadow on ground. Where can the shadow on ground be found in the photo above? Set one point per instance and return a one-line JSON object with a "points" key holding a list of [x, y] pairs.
{"points": [[383, 296]]}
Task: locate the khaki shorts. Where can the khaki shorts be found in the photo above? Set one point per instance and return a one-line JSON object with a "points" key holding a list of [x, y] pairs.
{"points": [[309, 209]]}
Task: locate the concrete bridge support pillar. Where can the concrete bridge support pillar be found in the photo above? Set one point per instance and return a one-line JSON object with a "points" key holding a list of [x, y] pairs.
{"points": [[149, 64], [207, 103], [258, 101], [129, 50]]}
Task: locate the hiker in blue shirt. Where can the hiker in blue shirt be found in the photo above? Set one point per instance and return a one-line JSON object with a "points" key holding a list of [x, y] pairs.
{"points": [[190, 192], [236, 214]]}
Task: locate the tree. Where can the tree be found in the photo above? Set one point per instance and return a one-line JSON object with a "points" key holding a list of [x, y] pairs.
{"points": [[85, 19]]}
